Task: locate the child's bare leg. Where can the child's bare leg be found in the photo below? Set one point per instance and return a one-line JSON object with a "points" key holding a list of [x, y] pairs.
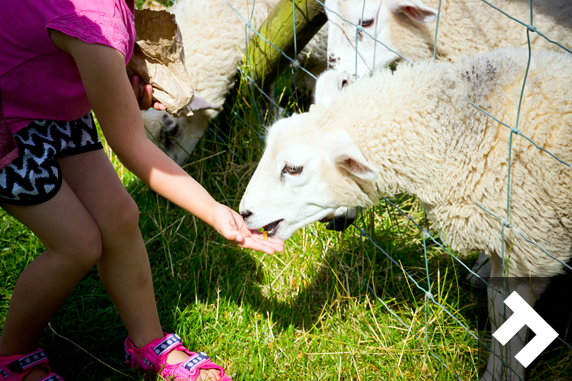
{"points": [[124, 265], [73, 246]]}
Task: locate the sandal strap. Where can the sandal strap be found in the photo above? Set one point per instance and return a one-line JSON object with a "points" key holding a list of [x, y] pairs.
{"points": [[153, 354], [195, 361], [167, 344], [24, 362], [189, 370]]}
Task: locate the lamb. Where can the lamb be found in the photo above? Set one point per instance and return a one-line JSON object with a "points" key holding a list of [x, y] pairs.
{"points": [[408, 28], [415, 131], [214, 42]]}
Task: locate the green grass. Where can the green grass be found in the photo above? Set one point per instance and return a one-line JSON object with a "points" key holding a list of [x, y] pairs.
{"points": [[319, 311]]}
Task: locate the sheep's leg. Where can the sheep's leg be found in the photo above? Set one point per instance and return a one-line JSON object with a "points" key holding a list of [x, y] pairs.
{"points": [[502, 365], [343, 218], [483, 269]]}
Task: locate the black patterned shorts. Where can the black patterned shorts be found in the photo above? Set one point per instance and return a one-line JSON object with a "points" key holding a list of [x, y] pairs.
{"points": [[35, 176]]}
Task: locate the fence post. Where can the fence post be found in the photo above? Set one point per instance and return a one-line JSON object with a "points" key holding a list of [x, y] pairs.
{"points": [[267, 62]]}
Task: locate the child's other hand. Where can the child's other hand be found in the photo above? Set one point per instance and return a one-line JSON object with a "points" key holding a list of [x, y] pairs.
{"points": [[144, 95], [231, 226]]}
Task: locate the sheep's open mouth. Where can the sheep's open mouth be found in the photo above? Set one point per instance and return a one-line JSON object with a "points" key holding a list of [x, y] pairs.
{"points": [[272, 227]]}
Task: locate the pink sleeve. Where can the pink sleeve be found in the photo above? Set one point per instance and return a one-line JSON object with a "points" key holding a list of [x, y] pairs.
{"points": [[96, 27]]}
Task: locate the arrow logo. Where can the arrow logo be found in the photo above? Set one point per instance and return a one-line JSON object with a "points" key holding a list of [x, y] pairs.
{"points": [[524, 314]]}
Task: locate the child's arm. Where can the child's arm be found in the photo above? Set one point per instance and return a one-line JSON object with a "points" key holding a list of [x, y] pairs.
{"points": [[102, 71]]}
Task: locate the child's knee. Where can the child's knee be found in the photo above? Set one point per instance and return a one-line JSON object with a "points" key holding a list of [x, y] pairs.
{"points": [[125, 216], [119, 221], [89, 250], [83, 251]]}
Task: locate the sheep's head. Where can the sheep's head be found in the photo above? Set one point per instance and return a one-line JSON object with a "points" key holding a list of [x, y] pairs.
{"points": [[177, 137], [329, 83], [378, 20], [307, 171]]}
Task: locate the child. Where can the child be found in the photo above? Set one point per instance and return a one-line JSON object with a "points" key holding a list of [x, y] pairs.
{"points": [[59, 60]]}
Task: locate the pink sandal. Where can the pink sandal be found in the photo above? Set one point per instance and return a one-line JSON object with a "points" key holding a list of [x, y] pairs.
{"points": [[16, 367], [153, 358]]}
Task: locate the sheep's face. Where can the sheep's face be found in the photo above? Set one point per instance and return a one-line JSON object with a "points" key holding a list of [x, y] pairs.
{"points": [[177, 137], [303, 176], [378, 20]]}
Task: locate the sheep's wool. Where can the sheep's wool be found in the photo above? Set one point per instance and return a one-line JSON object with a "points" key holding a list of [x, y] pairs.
{"points": [[470, 26], [465, 27], [418, 128]]}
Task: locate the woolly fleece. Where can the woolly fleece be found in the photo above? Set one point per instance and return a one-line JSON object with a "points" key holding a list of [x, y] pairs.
{"points": [[465, 27], [417, 128]]}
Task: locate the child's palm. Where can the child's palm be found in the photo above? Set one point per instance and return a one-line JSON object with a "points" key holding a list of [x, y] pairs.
{"points": [[231, 226]]}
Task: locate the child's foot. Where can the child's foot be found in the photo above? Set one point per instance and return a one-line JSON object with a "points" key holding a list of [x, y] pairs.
{"points": [[168, 357], [36, 374], [177, 357], [32, 366]]}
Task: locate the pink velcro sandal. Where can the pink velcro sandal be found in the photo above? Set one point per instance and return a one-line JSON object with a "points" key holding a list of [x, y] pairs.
{"points": [[153, 358], [16, 367]]}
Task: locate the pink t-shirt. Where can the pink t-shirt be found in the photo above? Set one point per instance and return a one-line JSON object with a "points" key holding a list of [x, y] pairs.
{"points": [[37, 80]]}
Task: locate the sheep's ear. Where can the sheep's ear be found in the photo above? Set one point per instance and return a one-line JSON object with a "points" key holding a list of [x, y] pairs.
{"points": [[414, 9], [329, 83], [347, 155], [199, 103]]}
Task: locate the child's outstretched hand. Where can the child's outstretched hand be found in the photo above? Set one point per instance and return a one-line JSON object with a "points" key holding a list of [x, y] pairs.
{"points": [[231, 226]]}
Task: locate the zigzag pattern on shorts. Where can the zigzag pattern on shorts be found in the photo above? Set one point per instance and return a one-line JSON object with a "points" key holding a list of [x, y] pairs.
{"points": [[35, 174]]}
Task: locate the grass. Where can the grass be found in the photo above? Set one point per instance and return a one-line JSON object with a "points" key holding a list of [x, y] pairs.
{"points": [[331, 307]]}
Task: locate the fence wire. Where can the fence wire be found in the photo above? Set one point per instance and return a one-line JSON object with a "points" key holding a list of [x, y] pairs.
{"points": [[505, 221]]}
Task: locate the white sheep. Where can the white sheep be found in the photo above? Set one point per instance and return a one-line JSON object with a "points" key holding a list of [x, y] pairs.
{"points": [[214, 41], [414, 131], [408, 28]]}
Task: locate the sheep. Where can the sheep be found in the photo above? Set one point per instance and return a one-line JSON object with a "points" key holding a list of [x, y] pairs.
{"points": [[408, 28], [414, 131], [214, 41]]}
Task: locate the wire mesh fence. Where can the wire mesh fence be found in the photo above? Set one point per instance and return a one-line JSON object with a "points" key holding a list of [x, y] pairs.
{"points": [[269, 105]]}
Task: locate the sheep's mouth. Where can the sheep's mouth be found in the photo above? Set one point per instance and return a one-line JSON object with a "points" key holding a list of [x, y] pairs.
{"points": [[272, 227]]}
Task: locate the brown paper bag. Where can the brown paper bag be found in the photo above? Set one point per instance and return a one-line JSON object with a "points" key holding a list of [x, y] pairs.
{"points": [[159, 59]]}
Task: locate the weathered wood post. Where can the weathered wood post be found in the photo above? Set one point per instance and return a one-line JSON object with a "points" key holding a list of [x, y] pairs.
{"points": [[267, 62]]}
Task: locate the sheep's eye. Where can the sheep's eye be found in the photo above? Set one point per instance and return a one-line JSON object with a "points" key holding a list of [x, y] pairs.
{"points": [[292, 170], [367, 23]]}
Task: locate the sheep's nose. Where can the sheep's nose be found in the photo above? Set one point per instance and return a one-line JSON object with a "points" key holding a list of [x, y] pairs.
{"points": [[246, 214]]}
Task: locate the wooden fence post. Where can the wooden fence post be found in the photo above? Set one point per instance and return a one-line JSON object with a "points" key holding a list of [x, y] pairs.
{"points": [[267, 62]]}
